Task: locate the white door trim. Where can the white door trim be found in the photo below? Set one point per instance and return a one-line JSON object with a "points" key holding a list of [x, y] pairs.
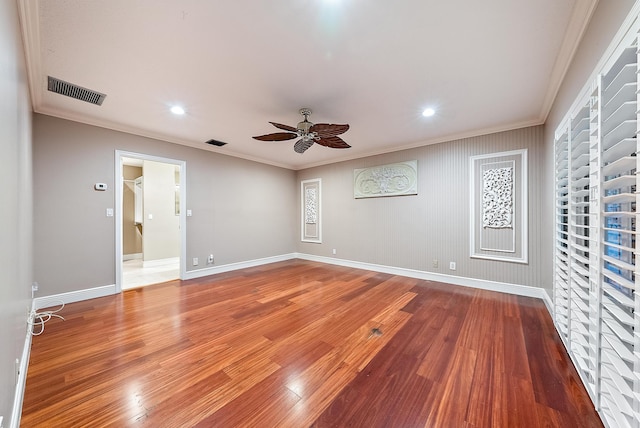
{"points": [[119, 154]]}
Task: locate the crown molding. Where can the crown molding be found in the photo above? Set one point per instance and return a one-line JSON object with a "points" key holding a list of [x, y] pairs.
{"points": [[28, 14], [582, 12]]}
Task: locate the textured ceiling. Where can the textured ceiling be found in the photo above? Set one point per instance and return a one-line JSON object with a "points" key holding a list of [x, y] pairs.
{"points": [[234, 65]]}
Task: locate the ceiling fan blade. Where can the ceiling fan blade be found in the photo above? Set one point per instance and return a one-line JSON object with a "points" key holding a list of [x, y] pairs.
{"points": [[328, 129], [285, 127], [277, 136], [301, 146], [333, 142]]}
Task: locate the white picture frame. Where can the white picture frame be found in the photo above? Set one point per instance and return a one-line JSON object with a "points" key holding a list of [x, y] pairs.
{"points": [[499, 206], [311, 210]]}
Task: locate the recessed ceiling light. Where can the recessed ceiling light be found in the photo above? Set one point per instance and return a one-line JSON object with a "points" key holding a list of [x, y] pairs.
{"points": [[177, 110], [428, 112]]}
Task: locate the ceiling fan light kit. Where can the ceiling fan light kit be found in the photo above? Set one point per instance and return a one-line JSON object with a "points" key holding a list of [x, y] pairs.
{"points": [[325, 134]]}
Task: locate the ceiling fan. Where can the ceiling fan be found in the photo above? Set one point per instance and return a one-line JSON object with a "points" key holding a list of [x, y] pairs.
{"points": [[325, 134]]}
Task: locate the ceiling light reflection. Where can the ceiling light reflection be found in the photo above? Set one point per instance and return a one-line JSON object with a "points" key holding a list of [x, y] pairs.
{"points": [[296, 387]]}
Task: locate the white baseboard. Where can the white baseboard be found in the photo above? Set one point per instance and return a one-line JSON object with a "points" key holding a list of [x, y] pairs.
{"points": [[502, 287], [161, 262], [107, 290], [16, 411], [548, 302], [73, 296], [198, 273]]}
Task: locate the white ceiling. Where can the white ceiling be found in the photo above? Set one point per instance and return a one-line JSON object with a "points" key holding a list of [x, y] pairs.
{"points": [[234, 65]]}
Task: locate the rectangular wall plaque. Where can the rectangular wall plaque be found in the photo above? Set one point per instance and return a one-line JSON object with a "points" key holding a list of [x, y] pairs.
{"points": [[311, 199], [498, 213], [386, 180]]}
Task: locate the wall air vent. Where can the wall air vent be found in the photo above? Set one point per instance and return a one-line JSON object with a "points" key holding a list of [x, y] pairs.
{"points": [[74, 91], [216, 143]]}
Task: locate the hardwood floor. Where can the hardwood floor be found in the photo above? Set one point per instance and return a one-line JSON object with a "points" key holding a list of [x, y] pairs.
{"points": [[300, 344]]}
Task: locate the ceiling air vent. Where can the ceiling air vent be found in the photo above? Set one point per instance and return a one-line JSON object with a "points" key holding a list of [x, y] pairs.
{"points": [[74, 91], [216, 143]]}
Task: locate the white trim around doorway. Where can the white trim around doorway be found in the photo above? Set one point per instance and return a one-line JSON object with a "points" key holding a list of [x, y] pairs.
{"points": [[119, 154]]}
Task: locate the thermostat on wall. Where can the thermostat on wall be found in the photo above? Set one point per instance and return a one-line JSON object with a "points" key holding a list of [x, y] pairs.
{"points": [[100, 186]]}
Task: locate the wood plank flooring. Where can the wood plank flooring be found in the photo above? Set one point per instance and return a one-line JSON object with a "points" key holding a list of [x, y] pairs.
{"points": [[303, 344]]}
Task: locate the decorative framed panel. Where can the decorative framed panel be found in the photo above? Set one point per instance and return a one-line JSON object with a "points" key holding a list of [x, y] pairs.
{"points": [[311, 214], [498, 204], [386, 180]]}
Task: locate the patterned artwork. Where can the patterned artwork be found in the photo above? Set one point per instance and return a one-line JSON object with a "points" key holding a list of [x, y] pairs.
{"points": [[386, 180], [497, 198], [310, 206]]}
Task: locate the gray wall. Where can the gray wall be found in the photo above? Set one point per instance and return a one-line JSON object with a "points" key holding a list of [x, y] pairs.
{"points": [[16, 205], [605, 23], [411, 231], [242, 210]]}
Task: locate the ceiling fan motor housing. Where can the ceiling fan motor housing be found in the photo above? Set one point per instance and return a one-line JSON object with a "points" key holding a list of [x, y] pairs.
{"points": [[304, 126]]}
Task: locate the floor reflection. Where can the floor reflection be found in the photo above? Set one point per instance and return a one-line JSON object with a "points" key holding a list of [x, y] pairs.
{"points": [[135, 275]]}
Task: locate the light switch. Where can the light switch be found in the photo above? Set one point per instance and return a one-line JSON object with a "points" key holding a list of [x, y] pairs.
{"points": [[109, 212], [150, 216], [189, 213]]}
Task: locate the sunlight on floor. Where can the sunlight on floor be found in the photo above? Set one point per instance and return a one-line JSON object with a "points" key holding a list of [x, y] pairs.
{"points": [[135, 275]]}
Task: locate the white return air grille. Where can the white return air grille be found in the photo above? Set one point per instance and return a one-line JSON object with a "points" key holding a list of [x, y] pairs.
{"points": [[74, 91]]}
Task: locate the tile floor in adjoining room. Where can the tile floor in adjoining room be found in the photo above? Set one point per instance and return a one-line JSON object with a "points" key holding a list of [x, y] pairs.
{"points": [[135, 275]]}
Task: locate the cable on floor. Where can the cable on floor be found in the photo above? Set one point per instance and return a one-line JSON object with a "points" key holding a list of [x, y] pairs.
{"points": [[38, 319]]}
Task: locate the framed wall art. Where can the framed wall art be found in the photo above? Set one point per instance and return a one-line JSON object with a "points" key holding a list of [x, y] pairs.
{"points": [[311, 200], [499, 206]]}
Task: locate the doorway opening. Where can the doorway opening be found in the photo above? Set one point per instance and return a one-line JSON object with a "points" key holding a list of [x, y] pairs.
{"points": [[150, 220]]}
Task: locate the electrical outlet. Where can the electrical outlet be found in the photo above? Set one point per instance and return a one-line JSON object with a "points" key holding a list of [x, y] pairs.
{"points": [[452, 265], [334, 252], [210, 259], [434, 263], [195, 261]]}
